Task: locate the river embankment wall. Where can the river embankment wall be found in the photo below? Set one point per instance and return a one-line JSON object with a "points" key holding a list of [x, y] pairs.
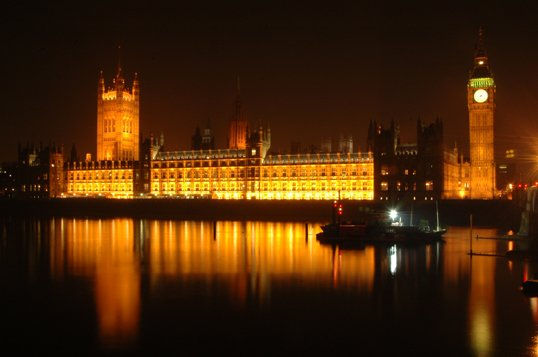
{"points": [[492, 213]]}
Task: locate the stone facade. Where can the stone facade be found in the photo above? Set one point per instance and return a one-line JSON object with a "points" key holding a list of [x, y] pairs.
{"points": [[118, 119], [481, 104]]}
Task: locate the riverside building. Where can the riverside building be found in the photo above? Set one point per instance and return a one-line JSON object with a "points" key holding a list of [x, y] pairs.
{"points": [[244, 170], [126, 167]]}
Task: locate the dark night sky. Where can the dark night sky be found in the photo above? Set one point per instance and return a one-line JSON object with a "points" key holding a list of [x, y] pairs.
{"points": [[310, 70]]}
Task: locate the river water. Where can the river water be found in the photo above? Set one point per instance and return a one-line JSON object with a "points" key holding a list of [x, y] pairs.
{"points": [[114, 286]]}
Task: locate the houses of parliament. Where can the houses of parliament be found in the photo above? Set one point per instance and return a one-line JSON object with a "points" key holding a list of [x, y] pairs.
{"points": [[128, 166]]}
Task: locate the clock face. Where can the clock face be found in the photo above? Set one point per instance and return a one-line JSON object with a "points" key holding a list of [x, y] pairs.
{"points": [[480, 96]]}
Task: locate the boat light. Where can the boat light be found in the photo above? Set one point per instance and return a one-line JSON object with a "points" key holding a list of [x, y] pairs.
{"points": [[393, 214]]}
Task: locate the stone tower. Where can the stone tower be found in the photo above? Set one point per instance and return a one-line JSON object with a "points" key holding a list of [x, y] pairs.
{"points": [[118, 119], [238, 131], [481, 105]]}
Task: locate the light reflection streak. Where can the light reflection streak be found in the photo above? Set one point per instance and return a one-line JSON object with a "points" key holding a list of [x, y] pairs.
{"points": [[393, 259], [250, 259], [106, 256]]}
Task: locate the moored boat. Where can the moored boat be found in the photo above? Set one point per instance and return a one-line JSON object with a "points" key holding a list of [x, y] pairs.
{"points": [[378, 228]]}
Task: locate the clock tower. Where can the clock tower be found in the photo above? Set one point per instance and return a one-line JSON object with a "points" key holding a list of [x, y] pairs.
{"points": [[481, 105]]}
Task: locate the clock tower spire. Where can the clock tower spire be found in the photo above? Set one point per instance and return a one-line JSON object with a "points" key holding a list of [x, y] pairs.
{"points": [[481, 105]]}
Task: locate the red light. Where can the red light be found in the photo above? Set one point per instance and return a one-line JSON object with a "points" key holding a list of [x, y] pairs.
{"points": [[340, 210], [526, 185], [519, 186]]}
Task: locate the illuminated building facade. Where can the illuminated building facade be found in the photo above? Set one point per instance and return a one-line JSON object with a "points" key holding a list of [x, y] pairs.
{"points": [[252, 174], [248, 173], [114, 179], [118, 119], [481, 104], [100, 178], [390, 170], [233, 174]]}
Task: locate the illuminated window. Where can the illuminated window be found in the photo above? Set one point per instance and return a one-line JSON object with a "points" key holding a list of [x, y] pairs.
{"points": [[384, 186], [429, 185], [384, 170]]}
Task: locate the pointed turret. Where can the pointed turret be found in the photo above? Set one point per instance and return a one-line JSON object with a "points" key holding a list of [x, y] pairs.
{"points": [[119, 81], [119, 69], [480, 63], [480, 49], [238, 108], [100, 86], [136, 87], [196, 139], [239, 128], [268, 135], [371, 136], [73, 157]]}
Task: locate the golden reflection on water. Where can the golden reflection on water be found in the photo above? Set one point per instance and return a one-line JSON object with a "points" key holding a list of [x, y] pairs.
{"points": [[250, 258], [263, 249], [104, 252], [480, 272]]}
